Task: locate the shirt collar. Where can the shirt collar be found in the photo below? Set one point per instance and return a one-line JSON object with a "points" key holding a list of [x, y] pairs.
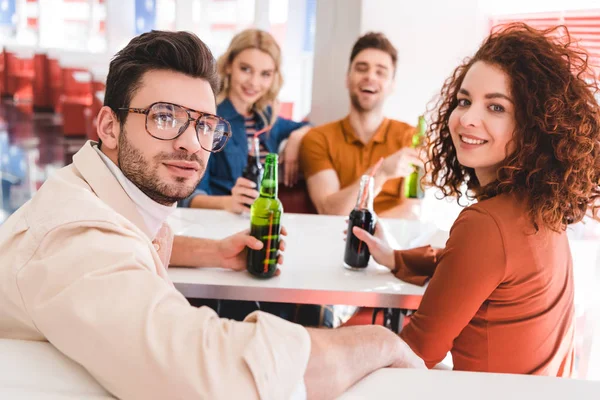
{"points": [[226, 110], [103, 183], [350, 136]]}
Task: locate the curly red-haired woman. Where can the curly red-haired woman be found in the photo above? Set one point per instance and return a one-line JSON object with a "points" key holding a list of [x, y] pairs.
{"points": [[519, 127]]}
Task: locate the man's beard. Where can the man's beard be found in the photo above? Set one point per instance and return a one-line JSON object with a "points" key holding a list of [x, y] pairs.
{"points": [[359, 107], [144, 174]]}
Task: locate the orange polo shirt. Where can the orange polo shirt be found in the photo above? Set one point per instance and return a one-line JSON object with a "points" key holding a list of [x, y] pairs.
{"points": [[500, 297], [335, 146]]}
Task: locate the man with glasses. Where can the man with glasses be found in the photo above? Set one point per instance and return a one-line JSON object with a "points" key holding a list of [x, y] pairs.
{"points": [[83, 264]]}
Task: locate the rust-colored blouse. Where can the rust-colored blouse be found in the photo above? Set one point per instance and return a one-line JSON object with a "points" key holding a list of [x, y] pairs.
{"points": [[500, 298]]}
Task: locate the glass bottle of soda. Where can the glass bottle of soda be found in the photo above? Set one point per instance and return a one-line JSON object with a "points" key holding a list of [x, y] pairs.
{"points": [[254, 169], [412, 183], [265, 217], [357, 253]]}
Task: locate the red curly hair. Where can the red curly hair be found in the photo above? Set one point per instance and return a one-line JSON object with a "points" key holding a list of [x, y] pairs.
{"points": [[556, 161]]}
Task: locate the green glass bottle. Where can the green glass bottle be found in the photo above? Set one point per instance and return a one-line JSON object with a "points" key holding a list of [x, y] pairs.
{"points": [[265, 217], [412, 183]]}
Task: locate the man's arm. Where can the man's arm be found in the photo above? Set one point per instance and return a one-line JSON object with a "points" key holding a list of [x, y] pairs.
{"points": [[94, 292], [323, 182], [229, 253], [290, 155], [321, 178], [194, 252], [325, 193], [339, 358], [467, 272]]}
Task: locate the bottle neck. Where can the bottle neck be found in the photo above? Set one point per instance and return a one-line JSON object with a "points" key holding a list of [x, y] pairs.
{"points": [[419, 135], [254, 148], [364, 200], [269, 184]]}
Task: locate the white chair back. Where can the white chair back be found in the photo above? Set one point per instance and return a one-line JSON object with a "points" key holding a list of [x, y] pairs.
{"points": [[37, 370]]}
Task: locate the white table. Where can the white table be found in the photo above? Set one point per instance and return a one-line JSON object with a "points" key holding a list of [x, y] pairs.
{"points": [[423, 385], [312, 272]]}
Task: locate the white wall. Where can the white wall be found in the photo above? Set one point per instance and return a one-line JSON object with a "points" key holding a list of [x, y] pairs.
{"points": [[534, 6], [24, 35], [337, 28], [261, 14], [120, 24], [297, 65], [184, 15], [51, 33], [431, 36]]}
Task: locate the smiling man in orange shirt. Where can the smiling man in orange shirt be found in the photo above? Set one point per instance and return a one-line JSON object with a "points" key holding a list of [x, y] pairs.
{"points": [[335, 155]]}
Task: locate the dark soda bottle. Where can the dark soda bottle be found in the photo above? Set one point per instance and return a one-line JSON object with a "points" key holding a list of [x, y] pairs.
{"points": [[254, 169], [265, 218], [357, 253], [412, 183]]}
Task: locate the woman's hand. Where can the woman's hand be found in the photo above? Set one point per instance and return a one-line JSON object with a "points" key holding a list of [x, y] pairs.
{"points": [[379, 244], [242, 196]]}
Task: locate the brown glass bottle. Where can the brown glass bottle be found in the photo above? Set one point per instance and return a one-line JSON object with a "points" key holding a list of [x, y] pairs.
{"points": [[254, 169], [357, 253]]}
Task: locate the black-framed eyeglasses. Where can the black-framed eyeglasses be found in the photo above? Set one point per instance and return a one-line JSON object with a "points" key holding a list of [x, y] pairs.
{"points": [[168, 121]]}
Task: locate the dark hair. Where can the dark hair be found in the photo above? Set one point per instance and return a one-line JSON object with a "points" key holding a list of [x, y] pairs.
{"points": [[156, 50], [374, 40], [556, 161]]}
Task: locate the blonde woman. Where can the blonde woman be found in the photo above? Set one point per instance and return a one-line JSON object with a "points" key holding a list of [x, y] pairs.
{"points": [[250, 72]]}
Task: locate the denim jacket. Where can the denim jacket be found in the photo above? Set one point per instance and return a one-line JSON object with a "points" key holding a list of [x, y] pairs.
{"points": [[225, 167]]}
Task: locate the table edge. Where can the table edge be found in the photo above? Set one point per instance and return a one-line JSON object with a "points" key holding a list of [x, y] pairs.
{"points": [[298, 296]]}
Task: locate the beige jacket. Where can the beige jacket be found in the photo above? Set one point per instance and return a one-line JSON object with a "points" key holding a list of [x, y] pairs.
{"points": [[78, 269]]}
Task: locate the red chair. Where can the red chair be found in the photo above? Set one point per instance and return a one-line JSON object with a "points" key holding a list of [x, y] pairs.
{"points": [[286, 110], [76, 96], [2, 72], [20, 78], [91, 113], [41, 83], [54, 82], [296, 199], [9, 59]]}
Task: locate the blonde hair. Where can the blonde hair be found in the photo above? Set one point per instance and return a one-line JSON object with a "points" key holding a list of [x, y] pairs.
{"points": [[252, 39]]}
